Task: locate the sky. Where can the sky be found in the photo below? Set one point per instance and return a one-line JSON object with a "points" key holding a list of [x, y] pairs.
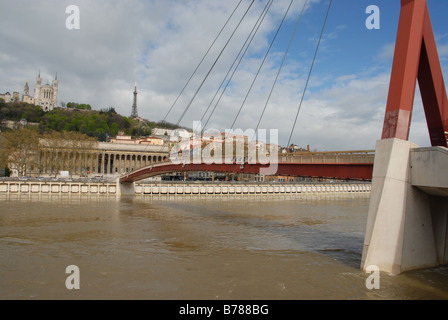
{"points": [[159, 44]]}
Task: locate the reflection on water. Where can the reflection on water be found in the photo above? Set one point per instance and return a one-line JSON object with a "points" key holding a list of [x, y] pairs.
{"points": [[195, 247]]}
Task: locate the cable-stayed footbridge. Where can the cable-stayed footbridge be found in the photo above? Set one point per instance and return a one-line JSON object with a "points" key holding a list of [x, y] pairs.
{"points": [[407, 225]]}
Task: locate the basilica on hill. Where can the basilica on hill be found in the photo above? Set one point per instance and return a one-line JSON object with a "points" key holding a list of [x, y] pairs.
{"points": [[45, 95]]}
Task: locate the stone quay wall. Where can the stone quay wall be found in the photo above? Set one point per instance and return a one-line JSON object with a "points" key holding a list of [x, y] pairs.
{"points": [[110, 188]]}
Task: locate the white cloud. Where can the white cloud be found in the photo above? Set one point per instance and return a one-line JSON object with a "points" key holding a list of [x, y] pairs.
{"points": [[387, 52]]}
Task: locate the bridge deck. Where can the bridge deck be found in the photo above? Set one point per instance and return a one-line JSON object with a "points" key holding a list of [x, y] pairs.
{"points": [[357, 165], [358, 171]]}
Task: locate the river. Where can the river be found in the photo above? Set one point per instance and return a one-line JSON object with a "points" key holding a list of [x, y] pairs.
{"points": [[195, 247]]}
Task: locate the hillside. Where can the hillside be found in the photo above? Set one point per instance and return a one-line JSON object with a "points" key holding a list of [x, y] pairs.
{"points": [[99, 124]]}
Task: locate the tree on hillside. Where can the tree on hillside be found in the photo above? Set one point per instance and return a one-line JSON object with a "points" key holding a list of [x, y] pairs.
{"points": [[74, 105]]}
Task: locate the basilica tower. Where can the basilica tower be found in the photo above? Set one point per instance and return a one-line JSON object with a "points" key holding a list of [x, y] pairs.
{"points": [[54, 96], [37, 88], [26, 89]]}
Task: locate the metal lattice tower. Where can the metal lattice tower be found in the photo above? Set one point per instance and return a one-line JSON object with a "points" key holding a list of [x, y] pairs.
{"points": [[134, 113]]}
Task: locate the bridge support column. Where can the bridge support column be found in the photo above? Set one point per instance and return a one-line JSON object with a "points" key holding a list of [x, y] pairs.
{"points": [[406, 227], [125, 188]]}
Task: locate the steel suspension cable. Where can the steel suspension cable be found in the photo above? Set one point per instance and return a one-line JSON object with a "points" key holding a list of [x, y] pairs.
{"points": [[281, 65], [309, 74], [195, 70], [262, 63], [211, 68], [246, 46]]}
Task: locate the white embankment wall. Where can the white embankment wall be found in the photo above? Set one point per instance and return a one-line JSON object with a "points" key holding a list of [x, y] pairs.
{"points": [[30, 187]]}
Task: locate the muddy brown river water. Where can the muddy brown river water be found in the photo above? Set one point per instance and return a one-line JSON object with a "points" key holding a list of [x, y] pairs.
{"points": [[195, 247]]}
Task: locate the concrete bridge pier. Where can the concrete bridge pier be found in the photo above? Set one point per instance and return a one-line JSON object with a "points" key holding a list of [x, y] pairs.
{"points": [[125, 188], [408, 213]]}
